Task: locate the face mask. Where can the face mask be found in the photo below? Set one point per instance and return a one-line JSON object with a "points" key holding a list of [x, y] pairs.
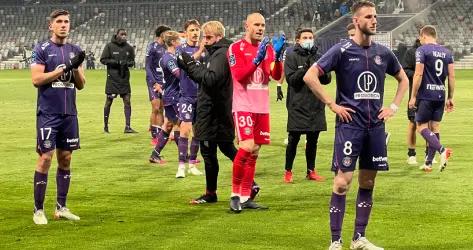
{"points": [[307, 44], [182, 40]]}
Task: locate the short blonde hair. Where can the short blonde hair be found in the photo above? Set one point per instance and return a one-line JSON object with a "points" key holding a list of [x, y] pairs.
{"points": [[214, 27], [170, 36]]}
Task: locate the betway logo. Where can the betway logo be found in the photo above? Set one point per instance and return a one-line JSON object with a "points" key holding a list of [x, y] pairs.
{"points": [[380, 159], [264, 133], [72, 140]]}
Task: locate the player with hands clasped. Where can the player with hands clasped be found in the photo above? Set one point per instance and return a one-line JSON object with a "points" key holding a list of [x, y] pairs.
{"points": [[57, 72]]}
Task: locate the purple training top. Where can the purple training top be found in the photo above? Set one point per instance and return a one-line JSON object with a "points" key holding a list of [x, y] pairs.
{"points": [[360, 75], [58, 96]]}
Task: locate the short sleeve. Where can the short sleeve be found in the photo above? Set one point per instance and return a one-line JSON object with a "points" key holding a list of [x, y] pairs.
{"points": [[420, 55], [38, 55], [450, 58], [393, 66], [330, 59]]}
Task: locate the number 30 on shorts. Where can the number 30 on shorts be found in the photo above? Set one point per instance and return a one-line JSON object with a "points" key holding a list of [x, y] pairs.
{"points": [[347, 148], [245, 121]]}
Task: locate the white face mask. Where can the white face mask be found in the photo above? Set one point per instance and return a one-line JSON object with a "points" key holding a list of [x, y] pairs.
{"points": [[307, 44]]}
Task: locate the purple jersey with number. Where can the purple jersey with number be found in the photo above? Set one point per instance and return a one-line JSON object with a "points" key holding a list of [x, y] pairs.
{"points": [[360, 72], [58, 96], [436, 59], [187, 86], [171, 74], [154, 73]]}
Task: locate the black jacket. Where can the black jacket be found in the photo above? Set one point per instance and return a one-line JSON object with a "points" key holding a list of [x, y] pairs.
{"points": [[118, 56], [409, 63], [214, 121], [305, 112]]}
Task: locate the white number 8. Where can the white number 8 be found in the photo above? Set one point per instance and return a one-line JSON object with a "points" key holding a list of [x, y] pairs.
{"points": [[439, 67], [347, 150]]}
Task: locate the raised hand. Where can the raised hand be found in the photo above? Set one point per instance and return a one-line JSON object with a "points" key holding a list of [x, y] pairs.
{"points": [[261, 51]]}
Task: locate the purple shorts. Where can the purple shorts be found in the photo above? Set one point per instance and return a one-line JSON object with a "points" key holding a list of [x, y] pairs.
{"points": [[57, 131], [429, 111], [367, 144], [171, 112], [153, 94], [187, 107]]}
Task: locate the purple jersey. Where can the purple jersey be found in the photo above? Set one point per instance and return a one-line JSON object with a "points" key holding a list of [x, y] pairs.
{"points": [[58, 96], [154, 73], [360, 75], [436, 59], [187, 86], [171, 74]]}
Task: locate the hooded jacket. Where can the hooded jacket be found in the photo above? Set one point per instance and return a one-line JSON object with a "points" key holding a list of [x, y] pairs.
{"points": [[214, 121], [118, 55], [305, 112]]}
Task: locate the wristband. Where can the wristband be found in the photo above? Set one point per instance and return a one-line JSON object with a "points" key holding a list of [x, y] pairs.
{"points": [[394, 107]]}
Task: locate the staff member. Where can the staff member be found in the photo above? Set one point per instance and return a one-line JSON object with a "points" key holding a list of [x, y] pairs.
{"points": [[118, 55], [306, 113]]}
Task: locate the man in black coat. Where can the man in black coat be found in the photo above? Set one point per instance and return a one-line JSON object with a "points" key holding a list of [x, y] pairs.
{"points": [[306, 114], [214, 122], [409, 66], [118, 55]]}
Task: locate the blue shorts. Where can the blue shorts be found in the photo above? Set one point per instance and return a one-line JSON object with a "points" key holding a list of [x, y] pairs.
{"points": [[153, 94], [57, 131], [367, 144], [429, 111], [171, 112], [187, 109]]}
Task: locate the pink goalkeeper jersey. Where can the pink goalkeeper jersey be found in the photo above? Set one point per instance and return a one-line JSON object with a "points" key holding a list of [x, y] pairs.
{"points": [[250, 83]]}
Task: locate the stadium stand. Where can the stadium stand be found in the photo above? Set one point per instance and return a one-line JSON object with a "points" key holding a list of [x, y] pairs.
{"points": [[23, 22]]}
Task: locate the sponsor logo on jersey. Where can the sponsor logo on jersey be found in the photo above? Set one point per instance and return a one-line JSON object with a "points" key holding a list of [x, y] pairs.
{"points": [[380, 159], [67, 85], [264, 133], [354, 59], [435, 87], [51, 55], [367, 84], [72, 140]]}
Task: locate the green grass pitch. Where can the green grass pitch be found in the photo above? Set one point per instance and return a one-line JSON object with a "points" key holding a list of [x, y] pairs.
{"points": [[126, 203]]}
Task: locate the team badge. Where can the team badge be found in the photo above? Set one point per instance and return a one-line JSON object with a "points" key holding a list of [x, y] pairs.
{"points": [[232, 60], [346, 161], [71, 55], [247, 131], [47, 144], [377, 60]]}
